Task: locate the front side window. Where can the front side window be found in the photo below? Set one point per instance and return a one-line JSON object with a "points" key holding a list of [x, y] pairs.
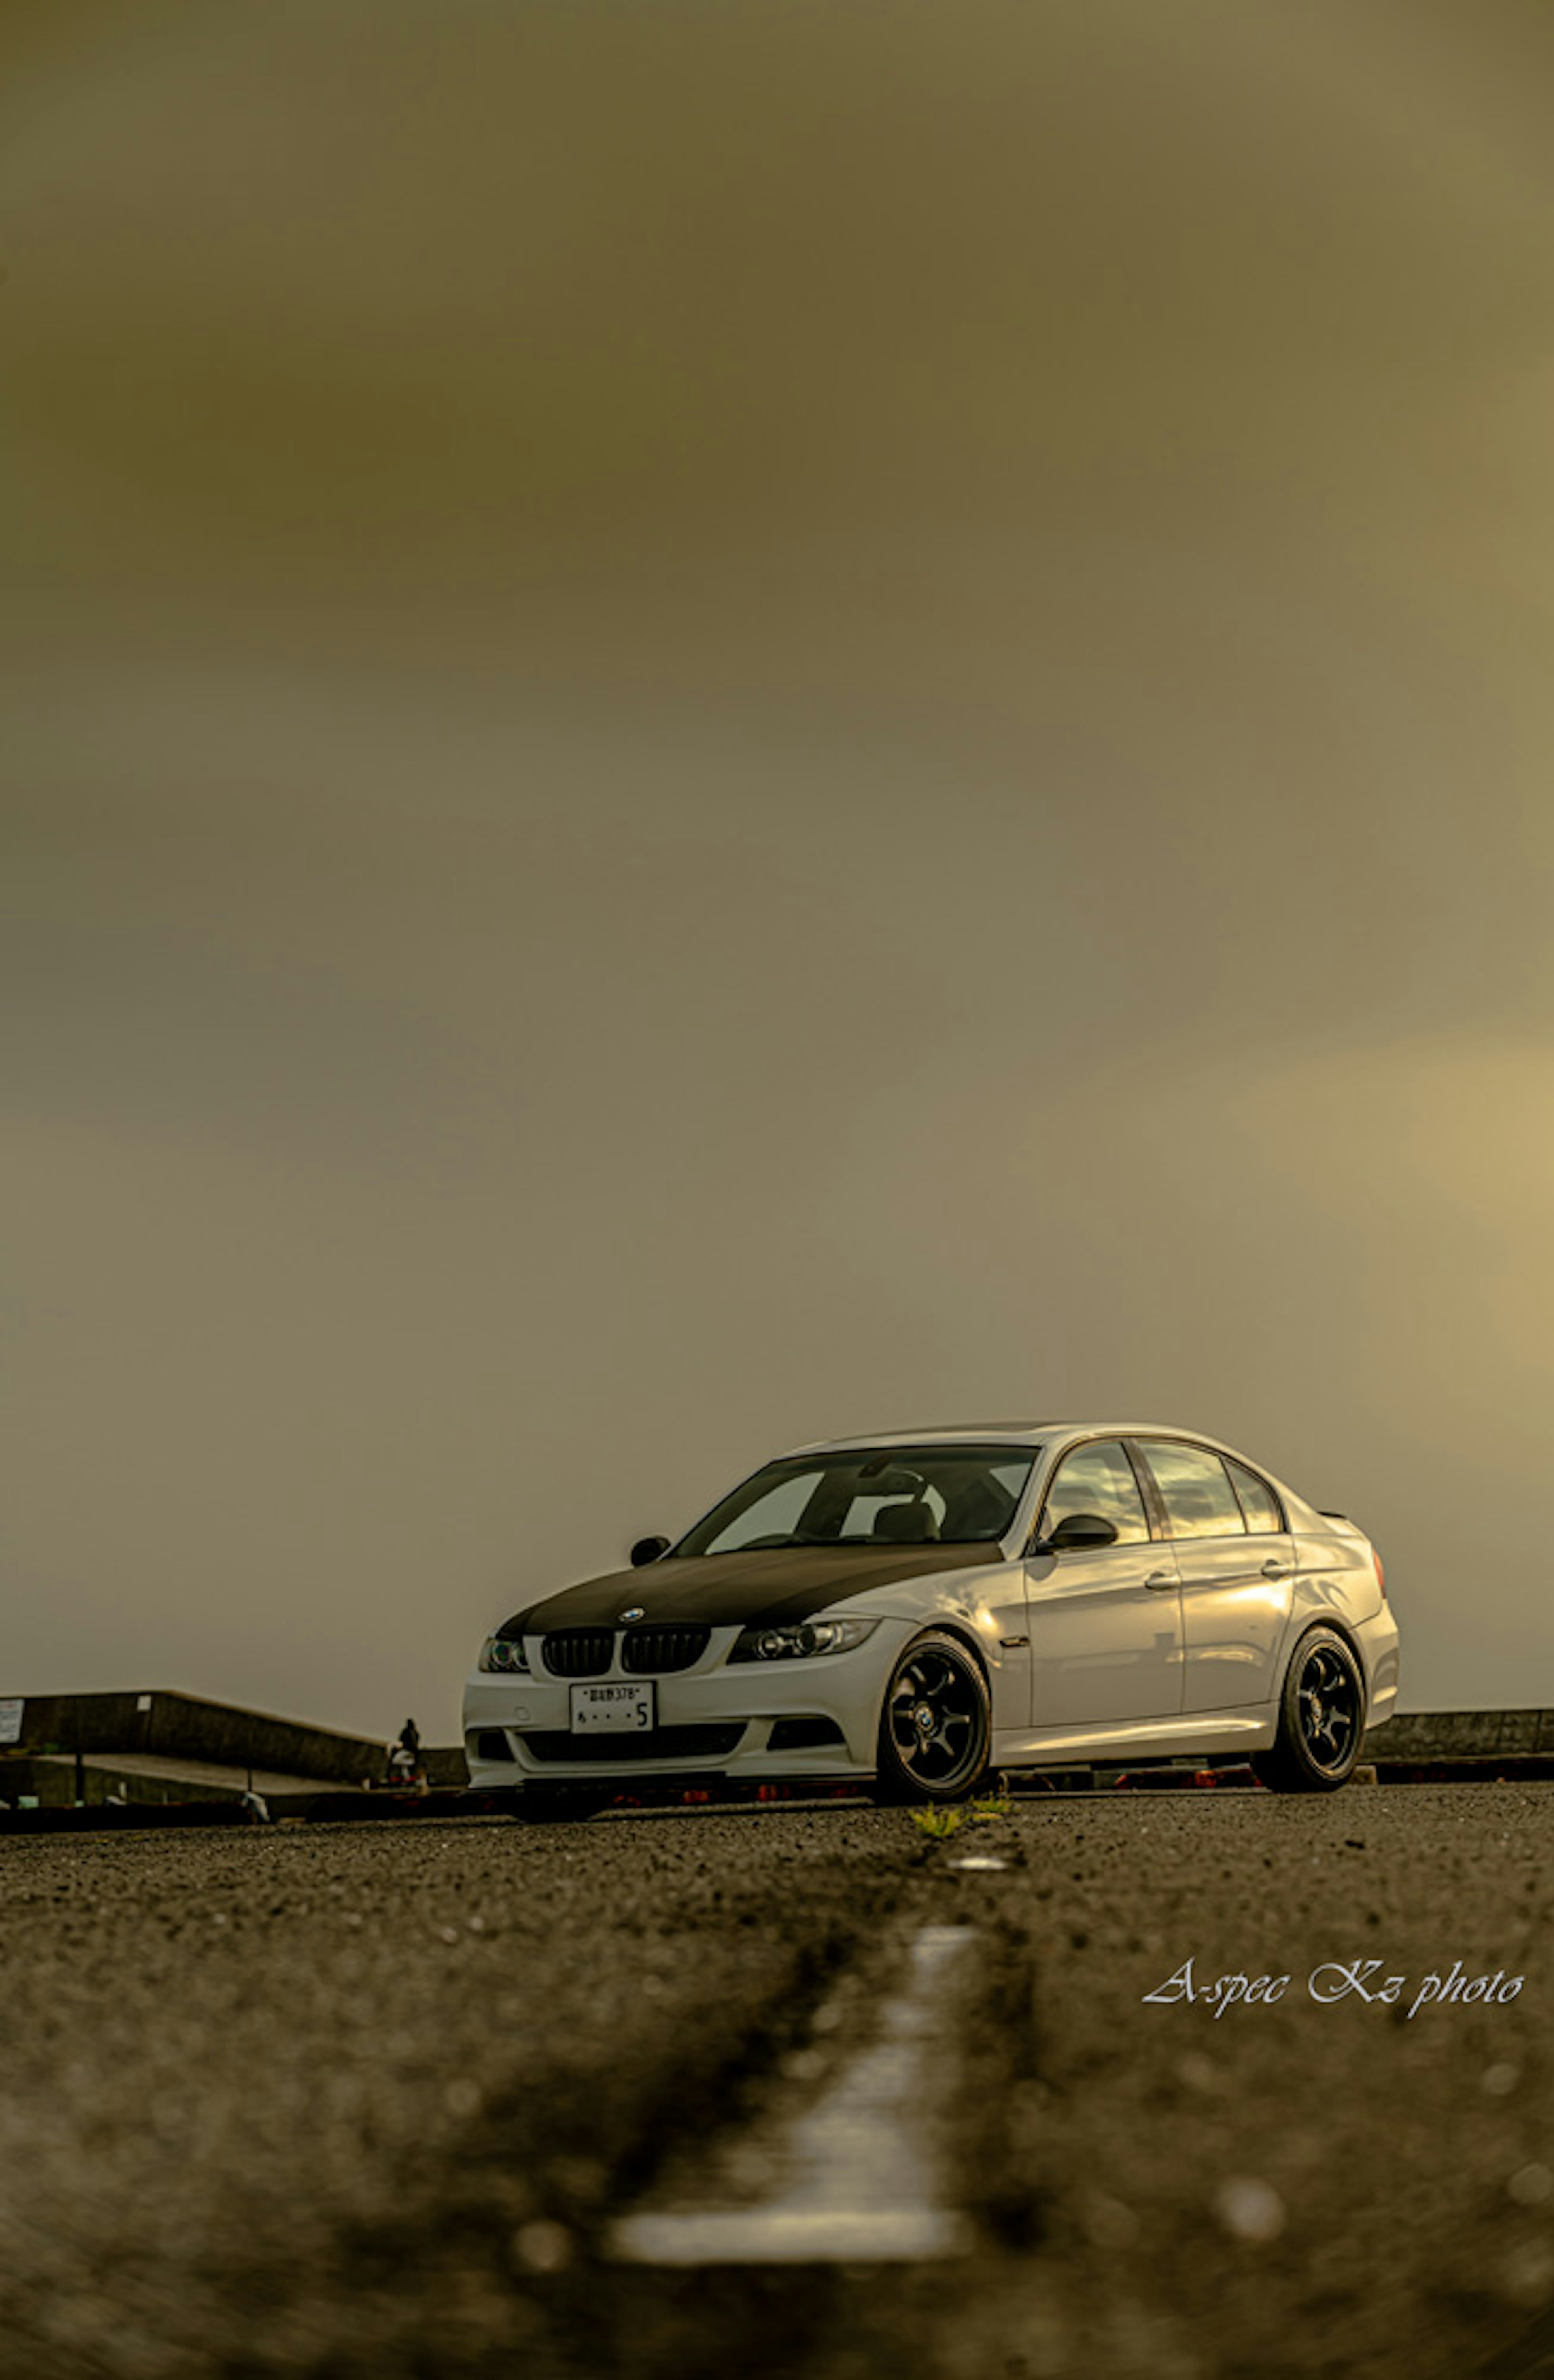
{"points": [[870, 1496], [1199, 1499], [1099, 1480]]}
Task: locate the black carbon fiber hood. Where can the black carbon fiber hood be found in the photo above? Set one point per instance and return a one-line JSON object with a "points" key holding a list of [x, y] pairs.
{"points": [[775, 1588]]}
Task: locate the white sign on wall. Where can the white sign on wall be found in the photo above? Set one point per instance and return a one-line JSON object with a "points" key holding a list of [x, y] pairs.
{"points": [[11, 1721]]}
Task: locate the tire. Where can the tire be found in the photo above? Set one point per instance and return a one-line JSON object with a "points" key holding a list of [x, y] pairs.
{"points": [[936, 1679], [1321, 1718]]}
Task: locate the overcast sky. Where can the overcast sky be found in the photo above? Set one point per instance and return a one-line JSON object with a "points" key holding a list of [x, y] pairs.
{"points": [[729, 721]]}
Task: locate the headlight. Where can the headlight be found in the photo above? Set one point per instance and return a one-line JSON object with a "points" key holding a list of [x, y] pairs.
{"points": [[503, 1653], [799, 1644]]}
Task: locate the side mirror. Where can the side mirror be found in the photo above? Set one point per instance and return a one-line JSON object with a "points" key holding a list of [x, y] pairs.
{"points": [[1080, 1529], [647, 1550]]}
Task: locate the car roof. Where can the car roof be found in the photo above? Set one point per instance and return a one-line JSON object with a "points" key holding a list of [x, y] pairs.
{"points": [[1016, 1433], [1058, 1434]]}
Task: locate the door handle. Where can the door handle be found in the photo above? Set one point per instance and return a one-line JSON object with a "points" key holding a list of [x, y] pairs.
{"points": [[1276, 1569], [1160, 1579]]}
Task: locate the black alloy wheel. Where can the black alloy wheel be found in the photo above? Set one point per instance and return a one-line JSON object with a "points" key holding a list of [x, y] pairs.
{"points": [[936, 1728], [1322, 1719]]}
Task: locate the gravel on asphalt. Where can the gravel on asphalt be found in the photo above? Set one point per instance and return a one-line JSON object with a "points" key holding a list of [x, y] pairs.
{"points": [[334, 2101]]}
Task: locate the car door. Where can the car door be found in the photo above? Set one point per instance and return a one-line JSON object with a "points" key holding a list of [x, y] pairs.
{"points": [[1105, 1621], [1235, 1563]]}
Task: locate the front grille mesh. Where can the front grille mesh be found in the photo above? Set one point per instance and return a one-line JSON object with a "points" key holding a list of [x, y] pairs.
{"points": [[802, 1734], [579, 1652], [691, 1742], [653, 1652]]}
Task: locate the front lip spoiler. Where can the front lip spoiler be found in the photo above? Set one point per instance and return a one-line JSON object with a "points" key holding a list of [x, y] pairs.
{"points": [[674, 1787]]}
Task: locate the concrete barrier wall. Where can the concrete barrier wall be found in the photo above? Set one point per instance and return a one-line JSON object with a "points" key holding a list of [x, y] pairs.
{"points": [[182, 1727], [1462, 1735]]}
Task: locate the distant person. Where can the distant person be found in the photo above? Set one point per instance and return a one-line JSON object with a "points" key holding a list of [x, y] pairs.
{"points": [[258, 1808], [405, 1759]]}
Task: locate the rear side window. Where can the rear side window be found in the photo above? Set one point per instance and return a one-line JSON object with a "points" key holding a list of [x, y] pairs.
{"points": [[1257, 1500], [1099, 1480], [1199, 1499]]}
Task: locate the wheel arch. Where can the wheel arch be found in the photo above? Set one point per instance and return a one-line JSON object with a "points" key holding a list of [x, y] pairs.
{"points": [[1337, 1627], [965, 1637]]}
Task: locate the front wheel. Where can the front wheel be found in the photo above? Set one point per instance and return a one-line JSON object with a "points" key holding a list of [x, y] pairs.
{"points": [[1322, 1719], [936, 1730]]}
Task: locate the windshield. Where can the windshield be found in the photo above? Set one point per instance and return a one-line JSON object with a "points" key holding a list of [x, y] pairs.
{"points": [[955, 1494]]}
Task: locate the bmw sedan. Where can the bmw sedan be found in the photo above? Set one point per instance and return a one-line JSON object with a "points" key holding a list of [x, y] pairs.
{"points": [[923, 1609]]}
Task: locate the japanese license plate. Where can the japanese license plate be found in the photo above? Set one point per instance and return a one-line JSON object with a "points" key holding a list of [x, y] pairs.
{"points": [[612, 1710]]}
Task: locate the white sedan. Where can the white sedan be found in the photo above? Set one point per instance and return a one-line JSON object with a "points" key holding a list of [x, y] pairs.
{"points": [[927, 1609]]}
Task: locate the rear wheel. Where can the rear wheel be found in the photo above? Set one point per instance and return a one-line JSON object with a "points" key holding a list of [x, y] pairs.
{"points": [[936, 1730], [1322, 1719]]}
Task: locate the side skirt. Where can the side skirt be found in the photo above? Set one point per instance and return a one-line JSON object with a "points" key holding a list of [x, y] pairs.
{"points": [[1246, 1730]]}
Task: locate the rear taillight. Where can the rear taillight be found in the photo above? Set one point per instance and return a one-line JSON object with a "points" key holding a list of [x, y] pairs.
{"points": [[1380, 1573]]}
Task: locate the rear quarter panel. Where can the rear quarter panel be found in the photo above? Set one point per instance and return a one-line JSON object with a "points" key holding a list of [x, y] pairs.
{"points": [[1334, 1577]]}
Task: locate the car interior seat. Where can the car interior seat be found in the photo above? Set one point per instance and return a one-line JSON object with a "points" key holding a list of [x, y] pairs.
{"points": [[909, 1524]]}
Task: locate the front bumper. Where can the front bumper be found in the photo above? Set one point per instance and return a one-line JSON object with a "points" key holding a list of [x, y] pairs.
{"points": [[817, 1718]]}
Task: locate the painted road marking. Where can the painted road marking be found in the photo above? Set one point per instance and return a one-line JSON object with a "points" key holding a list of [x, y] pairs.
{"points": [[857, 2182]]}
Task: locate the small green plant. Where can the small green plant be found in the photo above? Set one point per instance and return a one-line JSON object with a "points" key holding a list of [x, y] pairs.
{"points": [[993, 1806], [936, 1823]]}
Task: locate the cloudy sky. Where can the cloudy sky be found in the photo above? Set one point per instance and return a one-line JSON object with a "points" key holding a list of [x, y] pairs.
{"points": [[734, 719]]}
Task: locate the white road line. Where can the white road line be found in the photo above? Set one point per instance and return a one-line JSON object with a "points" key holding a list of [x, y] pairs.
{"points": [[858, 2172]]}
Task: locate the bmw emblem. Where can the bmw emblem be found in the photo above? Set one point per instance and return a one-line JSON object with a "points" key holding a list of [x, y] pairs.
{"points": [[637, 1612]]}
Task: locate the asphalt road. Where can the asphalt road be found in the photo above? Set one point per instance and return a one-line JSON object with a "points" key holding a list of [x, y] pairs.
{"points": [[382, 2099]]}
